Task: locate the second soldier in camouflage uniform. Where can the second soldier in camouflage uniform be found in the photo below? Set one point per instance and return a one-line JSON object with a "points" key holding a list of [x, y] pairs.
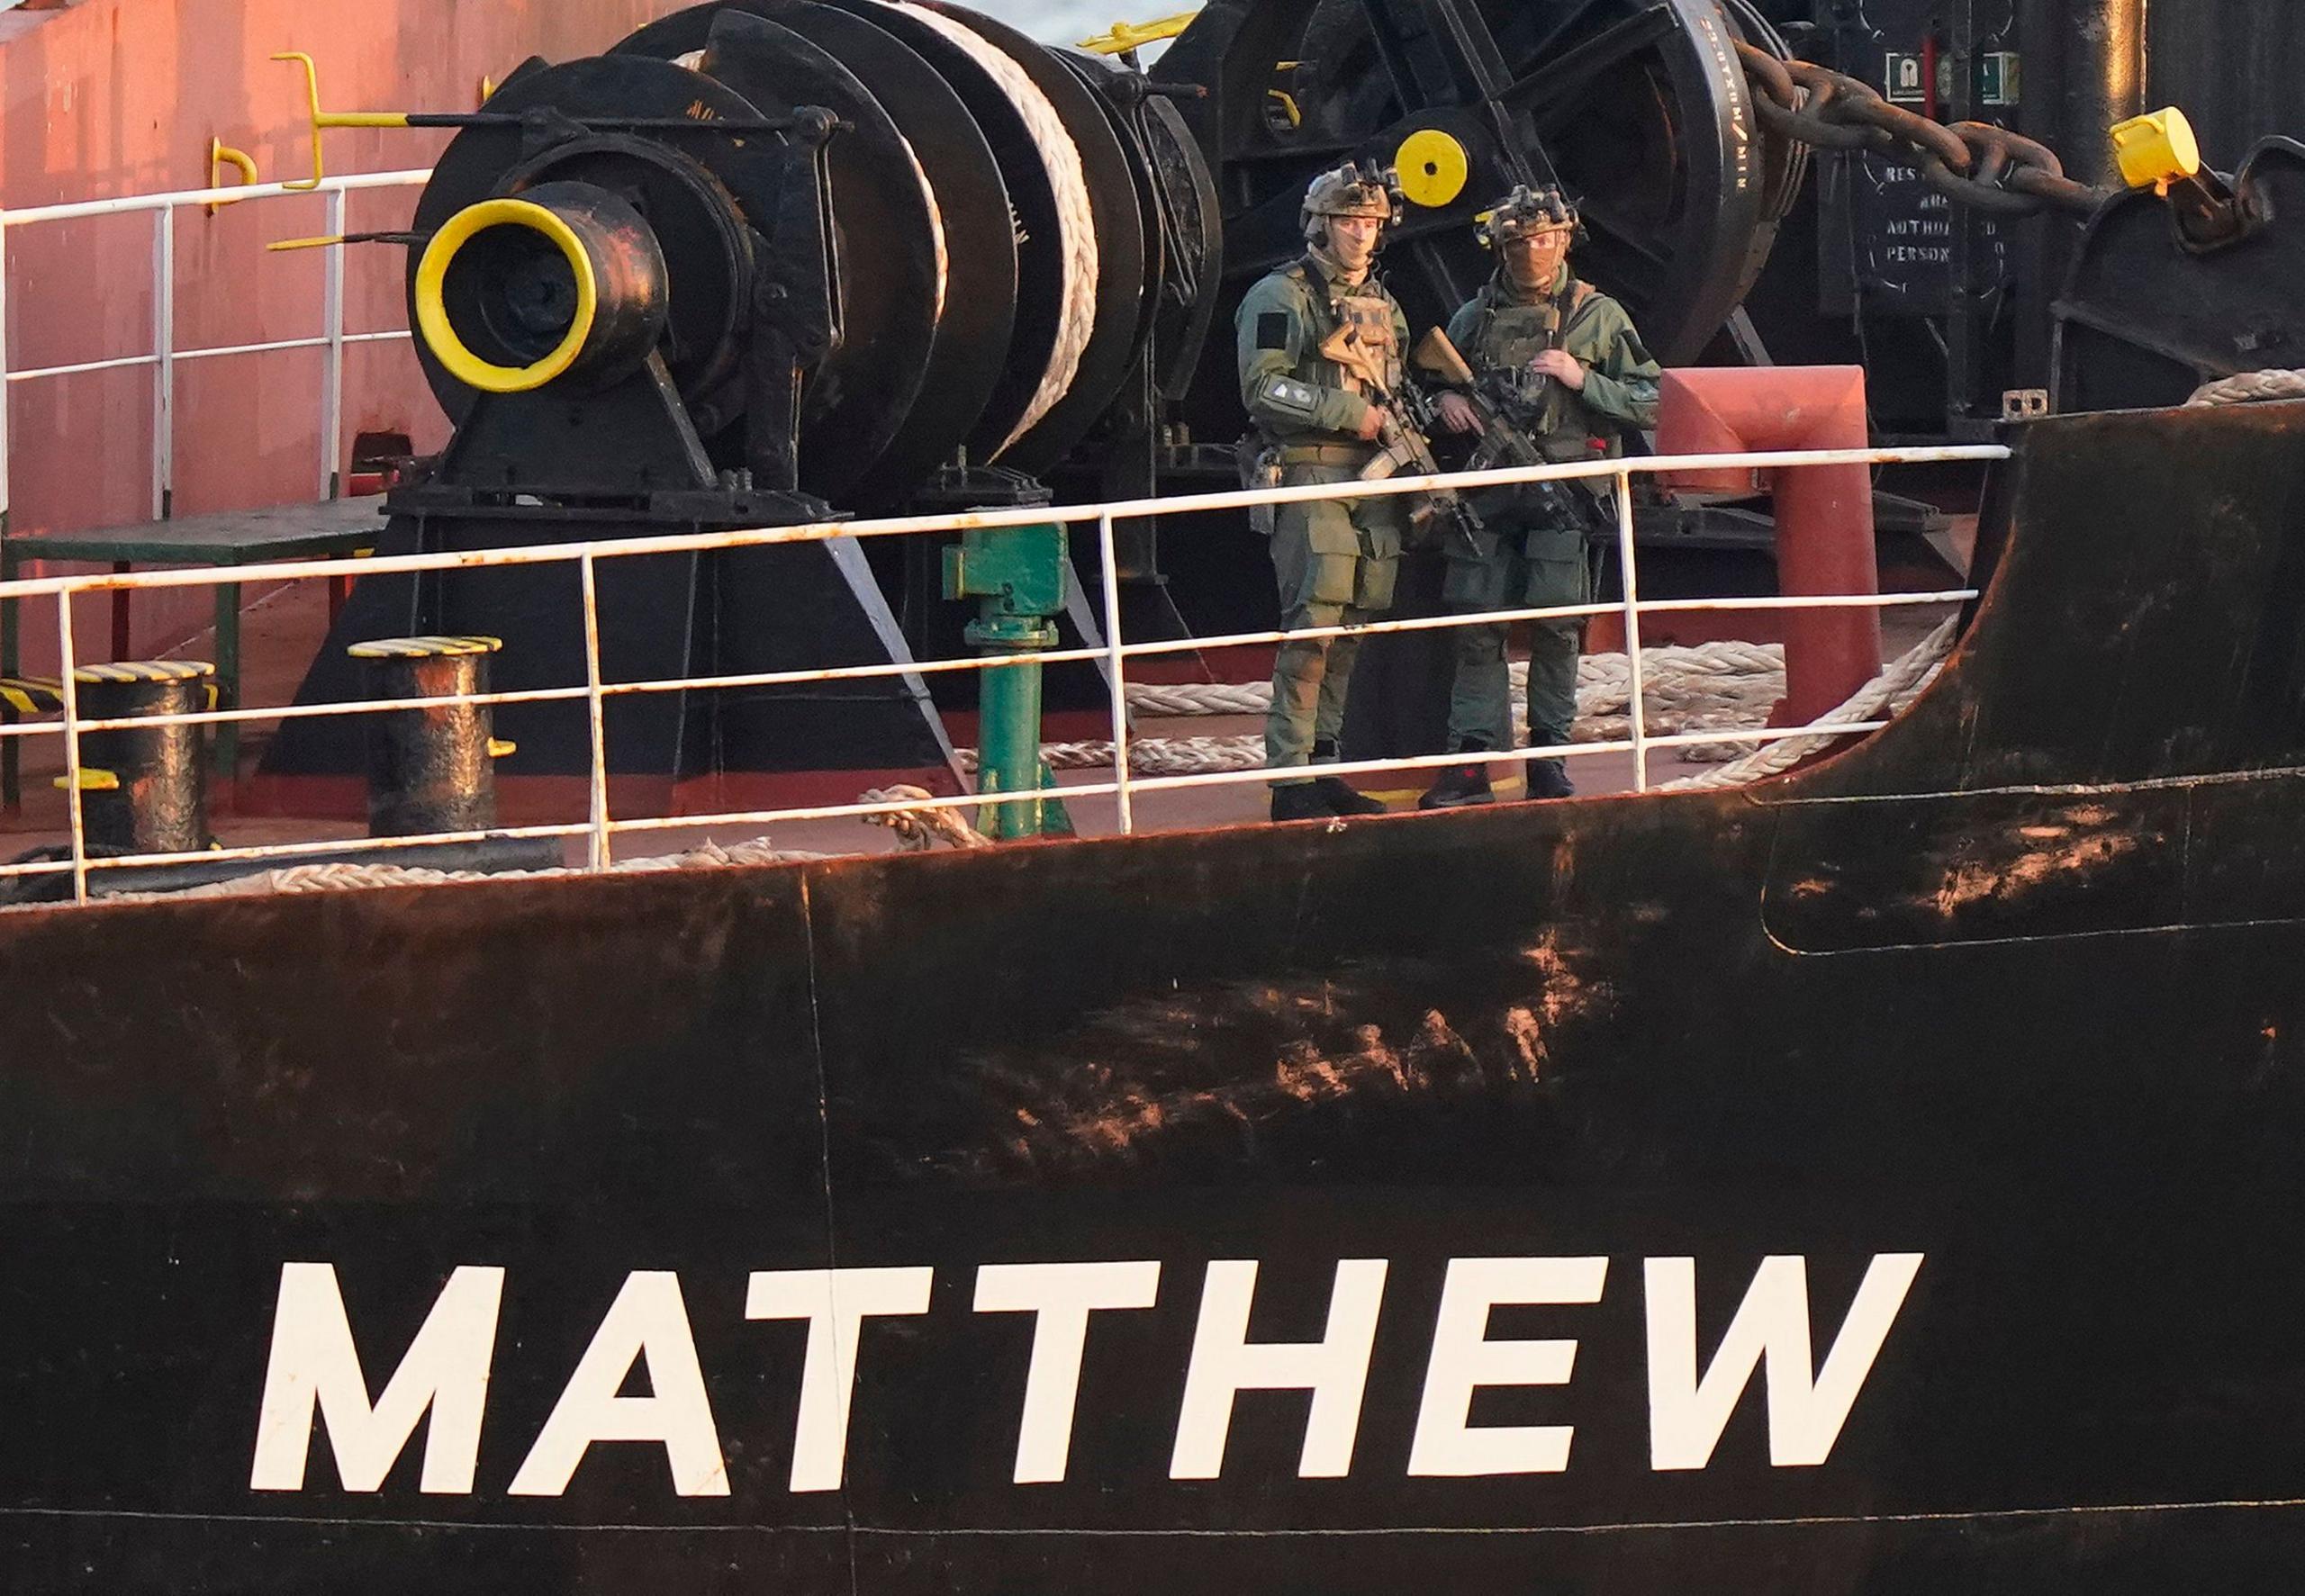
{"points": [[1335, 559], [1567, 355]]}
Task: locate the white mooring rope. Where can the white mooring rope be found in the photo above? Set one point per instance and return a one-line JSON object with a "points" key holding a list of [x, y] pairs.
{"points": [[2249, 387], [1713, 686], [1076, 221]]}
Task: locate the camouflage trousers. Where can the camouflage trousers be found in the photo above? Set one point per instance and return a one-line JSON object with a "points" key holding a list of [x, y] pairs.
{"points": [[1335, 562], [1519, 567]]}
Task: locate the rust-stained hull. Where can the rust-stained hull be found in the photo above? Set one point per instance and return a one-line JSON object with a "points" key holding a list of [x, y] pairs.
{"points": [[2004, 1004]]}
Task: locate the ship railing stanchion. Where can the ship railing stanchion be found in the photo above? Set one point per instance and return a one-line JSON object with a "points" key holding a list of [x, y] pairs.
{"points": [[66, 664], [597, 853], [10, 757], [1116, 677], [332, 391], [1631, 629], [164, 357]]}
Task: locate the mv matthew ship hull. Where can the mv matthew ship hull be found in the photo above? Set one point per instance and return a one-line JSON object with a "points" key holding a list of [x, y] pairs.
{"points": [[1882, 1180]]}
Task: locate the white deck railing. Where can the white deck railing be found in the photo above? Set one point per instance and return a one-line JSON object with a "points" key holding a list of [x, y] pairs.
{"points": [[601, 826], [165, 355]]}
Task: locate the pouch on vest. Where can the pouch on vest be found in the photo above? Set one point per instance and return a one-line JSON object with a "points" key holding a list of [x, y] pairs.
{"points": [[1259, 467]]}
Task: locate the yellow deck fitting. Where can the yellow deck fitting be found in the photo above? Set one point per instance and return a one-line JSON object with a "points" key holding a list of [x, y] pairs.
{"points": [[1432, 167], [31, 695], [331, 118], [2157, 149], [220, 156], [423, 648], [145, 671], [1124, 37], [91, 781]]}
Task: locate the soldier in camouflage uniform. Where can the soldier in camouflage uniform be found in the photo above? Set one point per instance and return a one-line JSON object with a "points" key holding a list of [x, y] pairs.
{"points": [[1580, 376], [1315, 422]]}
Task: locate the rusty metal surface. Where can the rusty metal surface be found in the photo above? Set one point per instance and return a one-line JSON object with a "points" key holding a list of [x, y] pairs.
{"points": [[2012, 986]]}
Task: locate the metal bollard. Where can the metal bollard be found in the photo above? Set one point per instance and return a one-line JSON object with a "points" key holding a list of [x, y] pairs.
{"points": [[430, 770], [144, 789]]}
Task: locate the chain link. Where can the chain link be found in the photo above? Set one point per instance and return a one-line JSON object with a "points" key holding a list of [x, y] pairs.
{"points": [[1974, 162]]}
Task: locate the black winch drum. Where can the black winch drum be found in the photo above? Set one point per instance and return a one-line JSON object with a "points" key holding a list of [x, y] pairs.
{"points": [[143, 789]]}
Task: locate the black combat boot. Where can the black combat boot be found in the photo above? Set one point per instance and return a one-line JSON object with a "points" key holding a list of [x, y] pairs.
{"points": [[1549, 779], [1341, 797], [1300, 800], [1460, 787]]}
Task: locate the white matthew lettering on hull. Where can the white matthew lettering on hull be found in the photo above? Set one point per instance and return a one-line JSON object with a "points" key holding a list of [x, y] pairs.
{"points": [[1334, 1369], [646, 1321], [1060, 1297], [1687, 1415], [314, 1364], [835, 1303], [1464, 1359]]}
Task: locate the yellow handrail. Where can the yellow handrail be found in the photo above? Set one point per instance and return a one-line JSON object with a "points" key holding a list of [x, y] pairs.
{"points": [[331, 118], [220, 156]]}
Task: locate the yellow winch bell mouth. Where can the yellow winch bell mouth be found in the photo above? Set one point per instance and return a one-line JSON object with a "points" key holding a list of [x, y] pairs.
{"points": [[432, 312]]}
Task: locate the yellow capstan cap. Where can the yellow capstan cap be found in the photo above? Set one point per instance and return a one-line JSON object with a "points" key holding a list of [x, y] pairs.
{"points": [[2157, 149]]}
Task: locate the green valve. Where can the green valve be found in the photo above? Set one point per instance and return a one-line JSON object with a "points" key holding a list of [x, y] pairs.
{"points": [[1016, 576]]}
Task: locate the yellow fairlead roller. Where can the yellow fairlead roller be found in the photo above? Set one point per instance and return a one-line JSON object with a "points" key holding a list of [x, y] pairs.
{"points": [[561, 284], [1432, 167]]}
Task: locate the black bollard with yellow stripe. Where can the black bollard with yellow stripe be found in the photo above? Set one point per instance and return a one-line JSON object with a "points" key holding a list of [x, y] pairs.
{"points": [[143, 789], [430, 770]]}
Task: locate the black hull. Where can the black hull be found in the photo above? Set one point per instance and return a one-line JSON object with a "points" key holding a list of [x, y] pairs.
{"points": [[2014, 987]]}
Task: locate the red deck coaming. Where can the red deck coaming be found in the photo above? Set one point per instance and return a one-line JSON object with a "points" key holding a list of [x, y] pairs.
{"points": [[121, 97]]}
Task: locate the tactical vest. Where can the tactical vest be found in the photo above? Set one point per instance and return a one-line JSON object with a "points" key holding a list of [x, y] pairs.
{"points": [[1510, 335], [1365, 309]]}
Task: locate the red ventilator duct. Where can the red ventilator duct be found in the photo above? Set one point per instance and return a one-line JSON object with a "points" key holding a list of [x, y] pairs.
{"points": [[1825, 513]]}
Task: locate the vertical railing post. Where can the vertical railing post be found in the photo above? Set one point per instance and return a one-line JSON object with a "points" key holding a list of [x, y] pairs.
{"points": [[1632, 630], [332, 379], [70, 692], [599, 854], [164, 368], [4, 375], [11, 610], [1116, 672]]}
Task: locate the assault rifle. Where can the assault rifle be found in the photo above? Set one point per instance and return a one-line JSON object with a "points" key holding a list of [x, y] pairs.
{"points": [[1409, 422], [1505, 429]]}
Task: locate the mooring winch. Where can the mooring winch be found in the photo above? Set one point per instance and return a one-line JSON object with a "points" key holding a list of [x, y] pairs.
{"points": [[759, 263]]}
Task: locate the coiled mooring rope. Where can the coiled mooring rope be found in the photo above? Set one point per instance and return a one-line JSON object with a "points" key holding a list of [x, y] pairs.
{"points": [[2249, 387], [1076, 221], [1723, 687]]}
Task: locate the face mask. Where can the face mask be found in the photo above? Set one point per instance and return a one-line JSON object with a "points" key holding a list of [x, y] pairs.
{"points": [[1532, 268]]}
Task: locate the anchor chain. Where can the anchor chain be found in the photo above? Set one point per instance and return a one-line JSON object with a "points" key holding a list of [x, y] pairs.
{"points": [[1973, 163]]}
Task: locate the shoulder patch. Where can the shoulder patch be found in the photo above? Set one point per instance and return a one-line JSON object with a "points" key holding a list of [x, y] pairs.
{"points": [[1273, 330]]}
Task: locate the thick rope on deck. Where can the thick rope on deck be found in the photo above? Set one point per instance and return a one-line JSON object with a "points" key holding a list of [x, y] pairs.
{"points": [[342, 876], [919, 830], [1883, 698], [1713, 686], [1707, 678], [2250, 387]]}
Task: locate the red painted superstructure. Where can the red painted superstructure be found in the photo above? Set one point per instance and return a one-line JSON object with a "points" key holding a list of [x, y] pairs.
{"points": [[117, 97]]}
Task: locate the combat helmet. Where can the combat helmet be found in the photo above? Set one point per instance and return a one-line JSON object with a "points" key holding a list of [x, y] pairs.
{"points": [[1353, 189], [1527, 211]]}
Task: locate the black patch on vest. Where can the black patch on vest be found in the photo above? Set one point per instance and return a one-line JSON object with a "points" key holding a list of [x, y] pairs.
{"points": [[1273, 330]]}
